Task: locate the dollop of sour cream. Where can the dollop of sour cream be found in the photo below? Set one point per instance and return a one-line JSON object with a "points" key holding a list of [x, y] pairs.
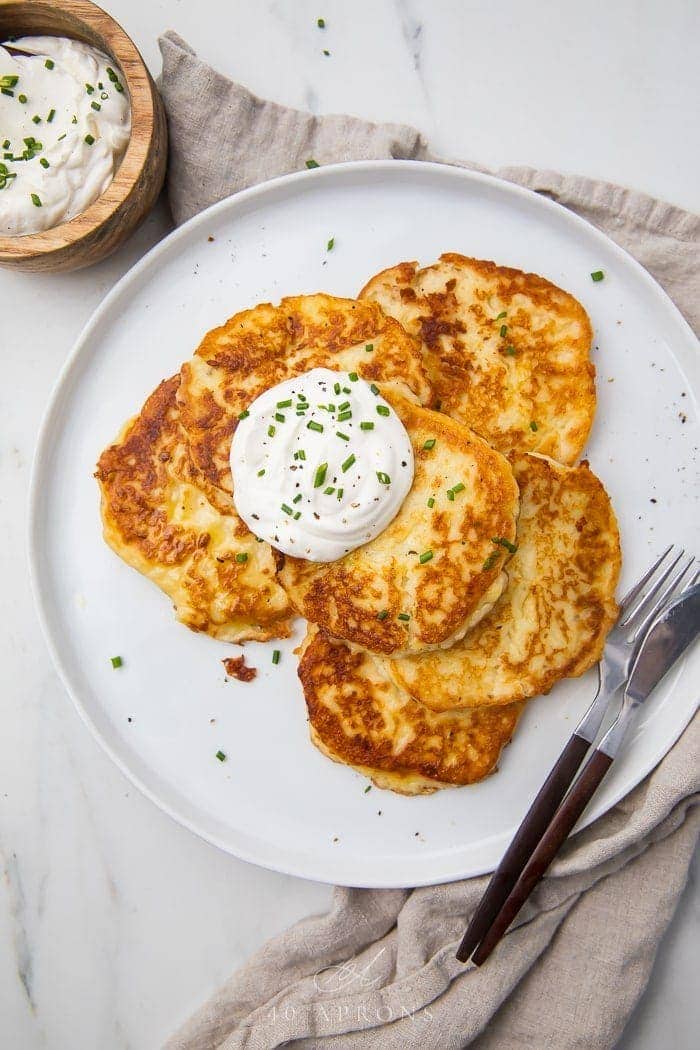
{"points": [[65, 121], [321, 464]]}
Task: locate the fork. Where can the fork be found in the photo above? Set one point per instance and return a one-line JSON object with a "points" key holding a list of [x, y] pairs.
{"points": [[637, 610]]}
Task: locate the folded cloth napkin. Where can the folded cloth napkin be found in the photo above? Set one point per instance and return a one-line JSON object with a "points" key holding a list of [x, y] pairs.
{"points": [[380, 970]]}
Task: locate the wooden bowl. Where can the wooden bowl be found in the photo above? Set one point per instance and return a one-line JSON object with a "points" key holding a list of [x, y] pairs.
{"points": [[107, 223]]}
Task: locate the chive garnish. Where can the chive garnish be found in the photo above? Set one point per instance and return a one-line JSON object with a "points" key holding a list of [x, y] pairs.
{"points": [[22, 98], [9, 80], [311, 163], [490, 561], [510, 351], [279, 417], [8, 91], [503, 542], [342, 436], [329, 491], [287, 509], [6, 144], [348, 463], [369, 347], [502, 314], [36, 119], [366, 426], [320, 475], [261, 472], [313, 425], [36, 200], [297, 497], [345, 404], [90, 139], [44, 162], [368, 788], [431, 502], [221, 756], [285, 404], [61, 137], [241, 557], [352, 376], [117, 661], [49, 63], [382, 410], [244, 414], [339, 494], [331, 243], [458, 487], [321, 23], [430, 443], [343, 416], [90, 89], [404, 616], [425, 556], [597, 275], [383, 614], [336, 386], [300, 454], [51, 115], [503, 331], [96, 106], [374, 388], [383, 478], [326, 52], [533, 425], [271, 431], [297, 515], [276, 656]]}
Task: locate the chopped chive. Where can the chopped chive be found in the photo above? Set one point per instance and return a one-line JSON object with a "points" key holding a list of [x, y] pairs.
{"points": [[431, 502], [117, 661], [503, 331], [36, 119], [321, 23], [96, 106], [111, 74], [104, 96], [261, 472], [502, 314], [36, 200], [313, 425], [348, 463], [276, 656], [297, 515], [320, 475], [503, 542], [300, 454], [343, 416], [286, 508], [271, 431], [241, 557], [345, 404], [311, 163], [342, 436], [61, 137], [326, 52], [425, 556], [339, 494], [44, 162], [490, 561], [404, 616], [285, 404], [382, 410], [90, 89], [336, 386], [329, 491], [49, 63], [366, 426], [51, 115], [9, 80], [459, 487], [533, 425], [510, 351], [279, 417], [297, 497], [6, 144], [383, 478], [369, 347], [383, 614], [374, 388], [331, 243], [346, 389], [368, 788], [22, 98], [74, 119], [352, 376], [221, 756], [7, 91], [244, 414], [430, 443], [597, 275], [118, 87], [450, 495], [90, 139]]}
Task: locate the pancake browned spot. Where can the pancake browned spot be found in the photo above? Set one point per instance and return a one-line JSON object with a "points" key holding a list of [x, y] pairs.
{"points": [[358, 716], [157, 519], [507, 352], [435, 570], [552, 619], [258, 348]]}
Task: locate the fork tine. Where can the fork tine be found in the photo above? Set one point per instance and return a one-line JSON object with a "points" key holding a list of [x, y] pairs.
{"points": [[691, 582], [640, 606], [641, 584], [661, 601]]}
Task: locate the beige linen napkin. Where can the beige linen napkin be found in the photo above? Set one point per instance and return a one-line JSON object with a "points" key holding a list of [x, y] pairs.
{"points": [[379, 970]]}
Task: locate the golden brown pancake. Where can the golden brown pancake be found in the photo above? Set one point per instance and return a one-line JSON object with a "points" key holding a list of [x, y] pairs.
{"points": [[156, 518], [552, 619], [507, 351], [381, 595], [359, 717], [259, 348]]}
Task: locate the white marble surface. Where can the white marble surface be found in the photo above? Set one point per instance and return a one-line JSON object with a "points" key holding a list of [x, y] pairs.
{"points": [[114, 921]]}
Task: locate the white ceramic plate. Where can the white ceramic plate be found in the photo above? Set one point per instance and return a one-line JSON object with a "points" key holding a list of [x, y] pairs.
{"points": [[162, 717]]}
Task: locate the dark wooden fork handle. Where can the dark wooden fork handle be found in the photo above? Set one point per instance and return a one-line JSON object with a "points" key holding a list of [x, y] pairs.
{"points": [[564, 820], [533, 827]]}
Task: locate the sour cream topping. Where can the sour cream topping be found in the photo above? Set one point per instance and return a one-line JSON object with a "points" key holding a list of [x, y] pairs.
{"points": [[65, 121], [321, 464]]}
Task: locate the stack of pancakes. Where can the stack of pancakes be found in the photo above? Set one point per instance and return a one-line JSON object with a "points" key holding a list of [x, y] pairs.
{"points": [[415, 671]]}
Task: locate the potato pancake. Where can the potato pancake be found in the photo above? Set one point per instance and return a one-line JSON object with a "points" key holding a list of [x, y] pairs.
{"points": [[158, 521], [438, 566], [358, 716], [553, 617], [507, 352], [258, 348]]}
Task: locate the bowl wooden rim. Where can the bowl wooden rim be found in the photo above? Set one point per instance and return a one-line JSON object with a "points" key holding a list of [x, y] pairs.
{"points": [[83, 20]]}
